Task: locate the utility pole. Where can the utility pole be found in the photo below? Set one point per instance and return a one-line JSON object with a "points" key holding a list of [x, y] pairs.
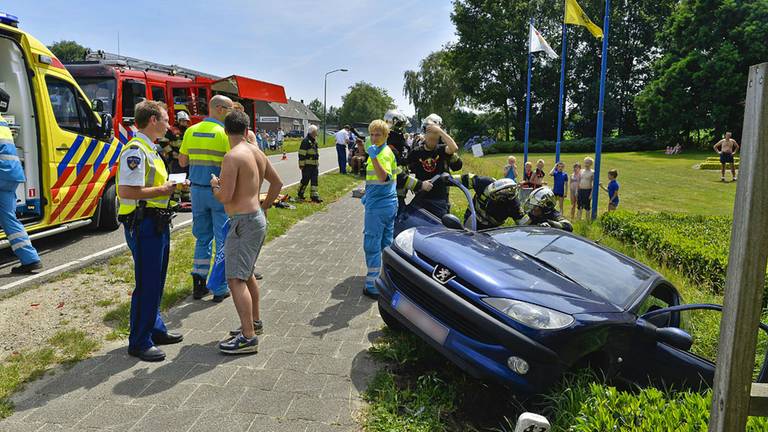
{"points": [[325, 97]]}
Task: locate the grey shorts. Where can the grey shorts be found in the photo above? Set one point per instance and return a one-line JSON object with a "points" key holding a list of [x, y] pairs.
{"points": [[243, 244]]}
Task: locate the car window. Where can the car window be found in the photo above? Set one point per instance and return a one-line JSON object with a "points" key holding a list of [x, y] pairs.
{"points": [[614, 278], [102, 89], [64, 101], [158, 94], [133, 93]]}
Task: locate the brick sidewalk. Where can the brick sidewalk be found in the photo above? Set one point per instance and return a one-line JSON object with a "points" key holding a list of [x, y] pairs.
{"points": [[308, 375]]}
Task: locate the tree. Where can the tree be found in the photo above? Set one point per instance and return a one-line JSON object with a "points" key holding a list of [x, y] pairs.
{"points": [[68, 51], [316, 107], [364, 103], [701, 78], [433, 88], [332, 116]]}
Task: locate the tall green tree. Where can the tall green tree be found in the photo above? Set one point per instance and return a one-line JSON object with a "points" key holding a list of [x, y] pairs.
{"points": [[701, 78], [316, 107], [364, 103], [433, 88], [68, 51]]}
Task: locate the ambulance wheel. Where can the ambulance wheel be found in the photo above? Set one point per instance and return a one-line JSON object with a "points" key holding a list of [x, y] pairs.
{"points": [[108, 209], [391, 321]]}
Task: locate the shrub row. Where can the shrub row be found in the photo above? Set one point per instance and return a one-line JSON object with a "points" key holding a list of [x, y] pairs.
{"points": [[715, 166], [581, 145]]}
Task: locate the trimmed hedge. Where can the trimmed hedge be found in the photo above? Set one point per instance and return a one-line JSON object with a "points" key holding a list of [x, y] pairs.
{"points": [[715, 166], [581, 145]]}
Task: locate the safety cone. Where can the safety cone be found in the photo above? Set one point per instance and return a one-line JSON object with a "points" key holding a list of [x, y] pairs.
{"points": [[285, 156]]}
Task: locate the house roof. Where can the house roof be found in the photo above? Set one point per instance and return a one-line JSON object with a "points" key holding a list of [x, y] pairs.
{"points": [[294, 109]]}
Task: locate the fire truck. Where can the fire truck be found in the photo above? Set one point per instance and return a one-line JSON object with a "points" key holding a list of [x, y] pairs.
{"points": [[119, 82]]}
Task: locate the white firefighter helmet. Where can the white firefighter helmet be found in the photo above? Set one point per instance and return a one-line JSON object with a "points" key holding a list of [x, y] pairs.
{"points": [[182, 115], [502, 190], [396, 119], [431, 119], [541, 197]]}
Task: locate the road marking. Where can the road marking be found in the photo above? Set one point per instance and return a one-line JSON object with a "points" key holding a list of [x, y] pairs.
{"points": [[106, 252]]}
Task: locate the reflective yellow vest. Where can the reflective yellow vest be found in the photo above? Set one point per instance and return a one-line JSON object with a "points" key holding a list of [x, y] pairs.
{"points": [[205, 144], [387, 160], [155, 174]]}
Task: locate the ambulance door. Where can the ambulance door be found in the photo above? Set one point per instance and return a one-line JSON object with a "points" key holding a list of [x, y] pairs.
{"points": [[192, 98]]}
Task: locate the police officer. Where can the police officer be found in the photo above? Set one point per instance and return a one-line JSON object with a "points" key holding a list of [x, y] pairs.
{"points": [[144, 193], [540, 206], [308, 164], [11, 174], [495, 200], [203, 149]]}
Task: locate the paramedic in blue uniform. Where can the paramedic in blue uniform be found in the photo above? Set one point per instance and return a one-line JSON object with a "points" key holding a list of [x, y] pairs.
{"points": [[11, 175], [145, 193], [380, 201]]}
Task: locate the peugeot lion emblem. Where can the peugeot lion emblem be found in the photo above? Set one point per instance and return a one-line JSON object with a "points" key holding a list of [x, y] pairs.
{"points": [[442, 274]]}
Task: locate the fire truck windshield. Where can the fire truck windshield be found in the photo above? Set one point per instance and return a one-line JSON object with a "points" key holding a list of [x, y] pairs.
{"points": [[103, 89]]}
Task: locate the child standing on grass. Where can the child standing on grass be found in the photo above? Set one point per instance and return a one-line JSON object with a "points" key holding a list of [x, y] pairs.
{"points": [[612, 189], [527, 174], [561, 180], [574, 184], [538, 176], [510, 170], [584, 199]]}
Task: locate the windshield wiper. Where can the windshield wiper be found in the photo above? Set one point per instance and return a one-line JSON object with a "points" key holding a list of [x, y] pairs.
{"points": [[549, 266]]}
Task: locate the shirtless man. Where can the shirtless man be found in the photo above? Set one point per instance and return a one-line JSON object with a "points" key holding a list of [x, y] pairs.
{"points": [[242, 171], [726, 148]]}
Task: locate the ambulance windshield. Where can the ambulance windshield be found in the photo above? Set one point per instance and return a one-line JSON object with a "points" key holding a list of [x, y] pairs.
{"points": [[103, 89]]}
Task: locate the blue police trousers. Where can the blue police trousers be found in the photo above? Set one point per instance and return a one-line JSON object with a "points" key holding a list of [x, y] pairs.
{"points": [[341, 154], [377, 235], [17, 236], [208, 218], [149, 246]]}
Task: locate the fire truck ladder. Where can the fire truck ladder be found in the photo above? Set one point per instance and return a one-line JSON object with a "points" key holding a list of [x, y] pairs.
{"points": [[104, 57]]}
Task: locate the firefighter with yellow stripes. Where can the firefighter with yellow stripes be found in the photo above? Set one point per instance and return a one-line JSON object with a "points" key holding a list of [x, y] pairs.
{"points": [[203, 149], [494, 200], [144, 193], [308, 164], [396, 141], [11, 174]]}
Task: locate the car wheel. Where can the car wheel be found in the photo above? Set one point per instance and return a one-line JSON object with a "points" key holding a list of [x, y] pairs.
{"points": [[391, 321], [108, 209]]}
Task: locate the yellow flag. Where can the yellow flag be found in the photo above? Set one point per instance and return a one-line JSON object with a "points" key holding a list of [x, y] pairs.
{"points": [[574, 14]]}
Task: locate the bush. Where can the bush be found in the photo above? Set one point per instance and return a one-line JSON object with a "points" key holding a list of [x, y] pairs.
{"points": [[581, 145]]}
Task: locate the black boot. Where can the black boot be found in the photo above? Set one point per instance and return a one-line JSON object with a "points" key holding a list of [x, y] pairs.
{"points": [[199, 290]]}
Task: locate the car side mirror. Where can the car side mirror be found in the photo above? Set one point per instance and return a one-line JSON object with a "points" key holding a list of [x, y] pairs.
{"points": [[674, 336], [452, 222], [98, 105]]}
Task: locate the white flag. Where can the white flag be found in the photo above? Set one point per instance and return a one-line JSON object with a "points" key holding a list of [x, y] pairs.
{"points": [[538, 43]]}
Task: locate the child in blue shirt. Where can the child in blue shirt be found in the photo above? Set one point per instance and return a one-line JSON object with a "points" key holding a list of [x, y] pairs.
{"points": [[561, 179], [510, 169], [612, 189]]}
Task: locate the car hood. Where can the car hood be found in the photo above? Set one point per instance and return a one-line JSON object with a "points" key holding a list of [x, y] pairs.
{"points": [[491, 269]]}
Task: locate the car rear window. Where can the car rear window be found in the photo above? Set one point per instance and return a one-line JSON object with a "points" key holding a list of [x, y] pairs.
{"points": [[614, 278]]}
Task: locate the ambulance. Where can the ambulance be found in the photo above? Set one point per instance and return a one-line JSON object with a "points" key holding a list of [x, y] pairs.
{"points": [[67, 149]]}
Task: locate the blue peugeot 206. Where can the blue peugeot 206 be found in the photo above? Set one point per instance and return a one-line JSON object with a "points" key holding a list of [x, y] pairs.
{"points": [[521, 305]]}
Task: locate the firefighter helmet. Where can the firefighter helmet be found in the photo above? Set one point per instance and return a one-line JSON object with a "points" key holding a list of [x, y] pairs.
{"points": [[397, 121], [502, 190], [431, 119], [541, 197], [182, 115]]}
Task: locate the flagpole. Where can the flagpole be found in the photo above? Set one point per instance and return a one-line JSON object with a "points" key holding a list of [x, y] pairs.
{"points": [[528, 96], [599, 133], [562, 93]]}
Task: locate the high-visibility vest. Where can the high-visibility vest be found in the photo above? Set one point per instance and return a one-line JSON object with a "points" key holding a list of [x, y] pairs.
{"points": [[387, 160], [205, 144], [155, 174], [11, 170]]}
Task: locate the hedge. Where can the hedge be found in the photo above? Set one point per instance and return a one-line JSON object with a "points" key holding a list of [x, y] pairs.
{"points": [[581, 145], [715, 166]]}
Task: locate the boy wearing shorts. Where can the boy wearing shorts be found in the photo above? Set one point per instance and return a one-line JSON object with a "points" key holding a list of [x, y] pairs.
{"points": [[612, 189], [560, 186], [584, 198]]}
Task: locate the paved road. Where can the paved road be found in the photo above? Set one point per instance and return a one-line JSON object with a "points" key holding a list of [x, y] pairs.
{"points": [[69, 250], [308, 376]]}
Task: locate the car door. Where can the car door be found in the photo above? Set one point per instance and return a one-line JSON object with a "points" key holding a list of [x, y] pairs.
{"points": [[659, 354]]}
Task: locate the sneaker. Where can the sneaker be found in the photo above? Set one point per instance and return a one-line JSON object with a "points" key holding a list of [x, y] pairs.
{"points": [[240, 345], [258, 328]]}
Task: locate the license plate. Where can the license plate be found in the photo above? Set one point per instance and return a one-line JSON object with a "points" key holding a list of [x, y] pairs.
{"points": [[419, 318]]}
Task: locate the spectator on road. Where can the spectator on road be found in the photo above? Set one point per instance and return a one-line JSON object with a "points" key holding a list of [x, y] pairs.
{"points": [[280, 137], [203, 149], [243, 169], [251, 138], [726, 148], [11, 174], [309, 165], [342, 136], [144, 193]]}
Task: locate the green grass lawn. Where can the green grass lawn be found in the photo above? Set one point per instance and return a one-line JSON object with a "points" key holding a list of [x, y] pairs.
{"points": [[650, 181]]}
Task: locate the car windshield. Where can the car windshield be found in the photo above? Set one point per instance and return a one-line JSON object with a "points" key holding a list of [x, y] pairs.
{"points": [[102, 89], [614, 278]]}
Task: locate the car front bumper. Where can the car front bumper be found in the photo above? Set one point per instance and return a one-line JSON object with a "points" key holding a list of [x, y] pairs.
{"points": [[468, 336]]}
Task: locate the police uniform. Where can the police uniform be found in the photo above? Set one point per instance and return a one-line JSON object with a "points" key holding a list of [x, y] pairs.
{"points": [[205, 144], [308, 164], [147, 233], [380, 201], [11, 174], [492, 206]]}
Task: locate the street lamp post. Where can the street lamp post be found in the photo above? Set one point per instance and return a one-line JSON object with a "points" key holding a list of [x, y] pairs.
{"points": [[325, 96]]}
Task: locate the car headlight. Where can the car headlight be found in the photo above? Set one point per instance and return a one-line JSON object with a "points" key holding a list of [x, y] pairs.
{"points": [[404, 240], [534, 316]]}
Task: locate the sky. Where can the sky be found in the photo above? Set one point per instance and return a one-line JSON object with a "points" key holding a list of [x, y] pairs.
{"points": [[288, 42]]}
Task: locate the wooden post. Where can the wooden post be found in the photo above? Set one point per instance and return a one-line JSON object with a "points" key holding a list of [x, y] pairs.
{"points": [[746, 266]]}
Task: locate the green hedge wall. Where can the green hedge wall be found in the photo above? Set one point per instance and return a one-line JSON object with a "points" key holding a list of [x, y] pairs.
{"points": [[582, 145]]}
